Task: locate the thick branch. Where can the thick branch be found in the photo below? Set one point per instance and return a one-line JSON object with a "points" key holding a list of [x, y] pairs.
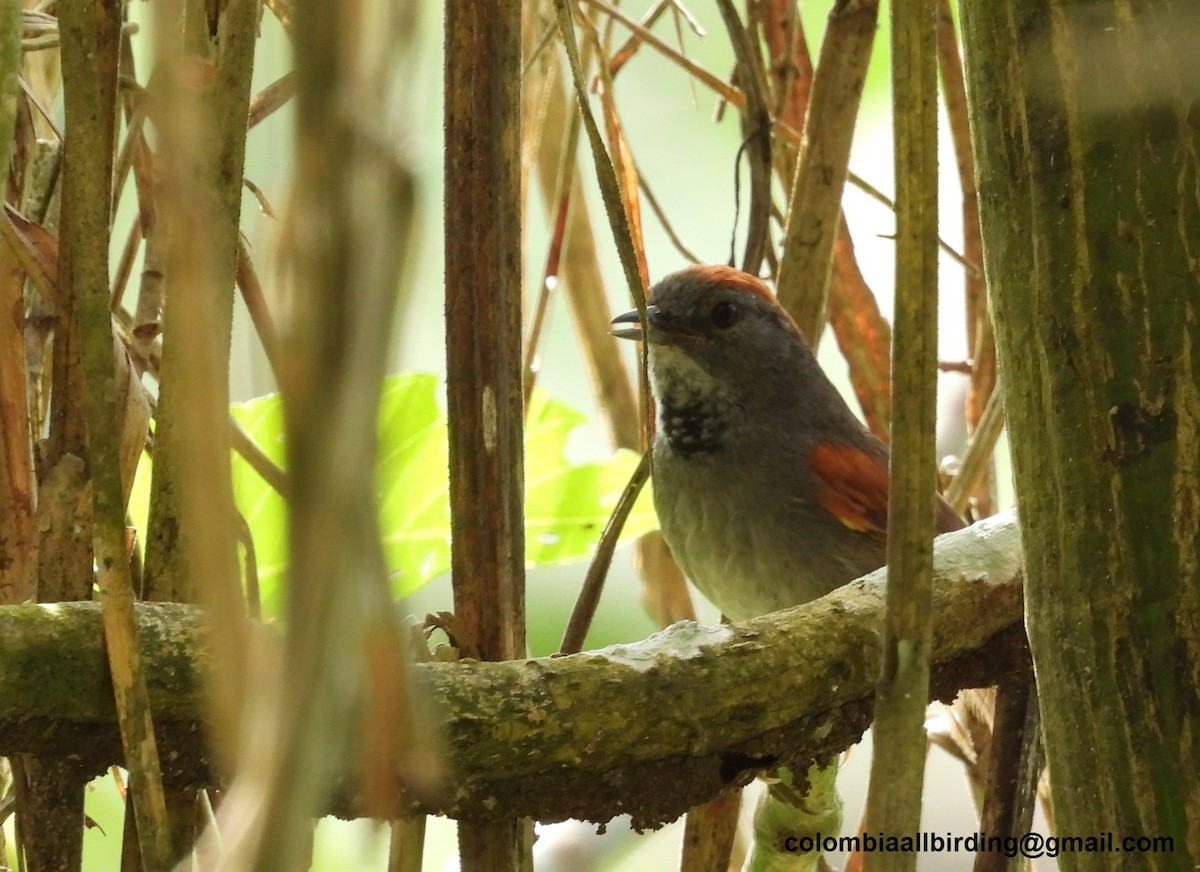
{"points": [[647, 729]]}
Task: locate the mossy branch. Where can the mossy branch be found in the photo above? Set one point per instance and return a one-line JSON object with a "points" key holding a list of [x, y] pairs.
{"points": [[585, 736]]}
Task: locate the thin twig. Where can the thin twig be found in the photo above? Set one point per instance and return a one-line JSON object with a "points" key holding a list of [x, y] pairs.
{"points": [[981, 347], [730, 93], [250, 561], [978, 456], [543, 41], [270, 99], [266, 468], [960, 366], [241, 442], [580, 271], [135, 154], [562, 199], [606, 175], [622, 159], [791, 63], [623, 55], [756, 130], [256, 305], [204, 801], [875, 194], [125, 157], [37, 104], [863, 335], [125, 265], [263, 203], [634, 276], [53, 40], [664, 221], [593, 582]]}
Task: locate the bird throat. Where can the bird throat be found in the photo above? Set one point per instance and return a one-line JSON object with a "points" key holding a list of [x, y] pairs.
{"points": [[694, 424], [695, 411]]}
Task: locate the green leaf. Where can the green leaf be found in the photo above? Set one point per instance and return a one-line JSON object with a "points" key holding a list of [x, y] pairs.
{"points": [[260, 504], [566, 505], [414, 495]]}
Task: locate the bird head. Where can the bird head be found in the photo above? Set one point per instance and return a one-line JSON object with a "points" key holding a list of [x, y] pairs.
{"points": [[716, 330]]}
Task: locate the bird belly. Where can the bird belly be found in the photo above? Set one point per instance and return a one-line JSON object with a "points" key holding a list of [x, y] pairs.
{"points": [[736, 566], [792, 553]]}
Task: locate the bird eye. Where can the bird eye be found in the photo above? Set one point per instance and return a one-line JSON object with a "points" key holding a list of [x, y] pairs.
{"points": [[725, 314]]}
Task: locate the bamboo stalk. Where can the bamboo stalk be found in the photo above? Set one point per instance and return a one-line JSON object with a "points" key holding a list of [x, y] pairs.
{"points": [[898, 764], [483, 352], [89, 60], [814, 207]]}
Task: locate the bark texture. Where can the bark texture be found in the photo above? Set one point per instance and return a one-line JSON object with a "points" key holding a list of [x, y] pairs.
{"points": [[1086, 117], [482, 228], [647, 729]]}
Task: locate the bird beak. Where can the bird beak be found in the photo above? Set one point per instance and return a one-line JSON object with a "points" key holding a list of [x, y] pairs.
{"points": [[660, 329], [628, 325]]}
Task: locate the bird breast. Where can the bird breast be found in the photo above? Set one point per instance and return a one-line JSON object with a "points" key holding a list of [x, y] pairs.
{"points": [[744, 549]]}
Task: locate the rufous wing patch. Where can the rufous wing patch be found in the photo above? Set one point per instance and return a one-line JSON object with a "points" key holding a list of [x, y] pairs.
{"points": [[852, 486]]}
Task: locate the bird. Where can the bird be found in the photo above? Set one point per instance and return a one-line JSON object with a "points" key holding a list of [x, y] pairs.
{"points": [[770, 492]]}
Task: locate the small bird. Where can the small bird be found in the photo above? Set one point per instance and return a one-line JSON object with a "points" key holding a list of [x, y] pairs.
{"points": [[770, 492]]}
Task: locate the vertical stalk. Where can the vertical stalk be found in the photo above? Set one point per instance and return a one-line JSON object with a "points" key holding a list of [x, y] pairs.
{"points": [[18, 555], [199, 108], [815, 204], [483, 351], [897, 766], [320, 710], [91, 42], [981, 347]]}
